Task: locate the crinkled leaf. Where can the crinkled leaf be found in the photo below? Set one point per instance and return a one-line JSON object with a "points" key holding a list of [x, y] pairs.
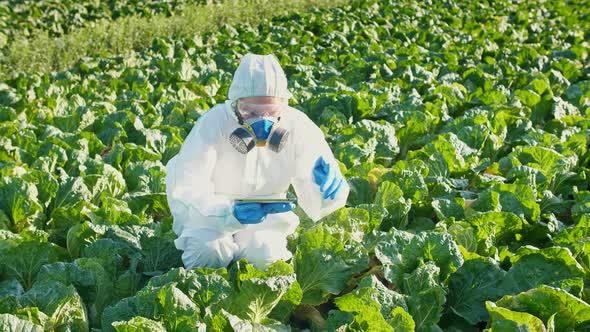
{"points": [[426, 307], [267, 325], [138, 324], [504, 320], [166, 304], [571, 313], [548, 266], [70, 274], [387, 298], [11, 323], [24, 260], [367, 314], [438, 248], [206, 287], [60, 302], [474, 283], [495, 228], [10, 287], [324, 264], [518, 199], [401, 320], [391, 197], [19, 201]]}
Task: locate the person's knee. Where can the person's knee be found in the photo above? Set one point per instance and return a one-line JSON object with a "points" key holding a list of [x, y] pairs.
{"points": [[262, 248], [205, 248]]}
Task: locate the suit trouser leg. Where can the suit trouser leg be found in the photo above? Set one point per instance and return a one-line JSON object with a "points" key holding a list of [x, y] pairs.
{"points": [[206, 248], [261, 247]]}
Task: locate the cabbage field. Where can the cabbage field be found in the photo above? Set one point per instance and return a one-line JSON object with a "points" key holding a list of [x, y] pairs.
{"points": [[462, 127]]}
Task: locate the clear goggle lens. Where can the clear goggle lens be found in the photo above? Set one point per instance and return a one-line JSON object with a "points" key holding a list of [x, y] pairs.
{"points": [[248, 110]]}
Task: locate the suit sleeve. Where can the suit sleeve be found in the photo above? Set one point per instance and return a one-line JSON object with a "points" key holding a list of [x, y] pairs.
{"points": [[310, 145], [189, 173]]}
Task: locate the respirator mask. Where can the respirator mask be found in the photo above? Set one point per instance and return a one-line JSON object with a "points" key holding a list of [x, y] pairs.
{"points": [[259, 126]]}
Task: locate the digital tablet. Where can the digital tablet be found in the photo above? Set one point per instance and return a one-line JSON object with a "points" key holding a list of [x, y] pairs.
{"points": [[267, 200]]}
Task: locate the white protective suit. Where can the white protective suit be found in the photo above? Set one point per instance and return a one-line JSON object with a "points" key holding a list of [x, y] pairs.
{"points": [[207, 174]]}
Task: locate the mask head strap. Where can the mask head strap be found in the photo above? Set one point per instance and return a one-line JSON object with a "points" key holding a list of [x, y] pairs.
{"points": [[234, 106]]}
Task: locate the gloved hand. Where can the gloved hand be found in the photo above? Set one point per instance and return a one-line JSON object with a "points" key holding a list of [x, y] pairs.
{"points": [[254, 213], [327, 178], [249, 213]]}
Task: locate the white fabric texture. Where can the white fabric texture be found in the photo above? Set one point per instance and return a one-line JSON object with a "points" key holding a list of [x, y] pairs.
{"points": [[209, 248], [259, 75], [206, 248]]}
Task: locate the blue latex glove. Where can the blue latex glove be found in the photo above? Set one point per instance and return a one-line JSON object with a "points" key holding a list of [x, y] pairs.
{"points": [[249, 213], [327, 178], [254, 213]]}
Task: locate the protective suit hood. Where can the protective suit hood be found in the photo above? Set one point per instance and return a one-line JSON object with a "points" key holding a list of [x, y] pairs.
{"points": [[259, 75]]}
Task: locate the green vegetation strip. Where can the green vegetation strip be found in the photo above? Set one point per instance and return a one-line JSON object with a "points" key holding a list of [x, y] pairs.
{"points": [[59, 17], [43, 53]]}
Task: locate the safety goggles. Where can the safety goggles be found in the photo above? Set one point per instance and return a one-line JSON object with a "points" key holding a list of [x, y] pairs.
{"points": [[249, 110]]}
